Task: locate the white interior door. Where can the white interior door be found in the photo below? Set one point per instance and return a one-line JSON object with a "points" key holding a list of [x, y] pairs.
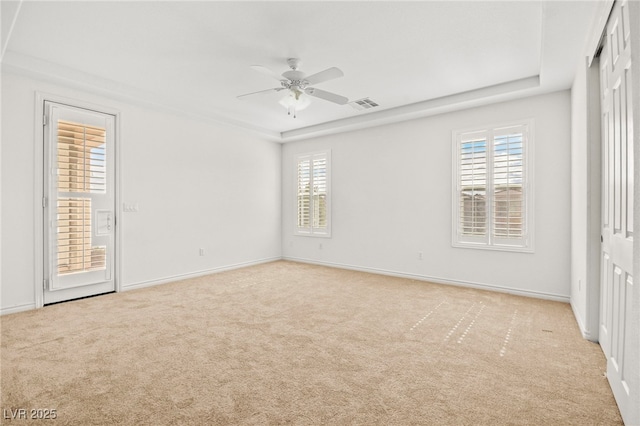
{"points": [[617, 204], [79, 203]]}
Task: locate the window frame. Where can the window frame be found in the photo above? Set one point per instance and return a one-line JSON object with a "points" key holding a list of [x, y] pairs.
{"points": [[312, 231], [489, 241]]}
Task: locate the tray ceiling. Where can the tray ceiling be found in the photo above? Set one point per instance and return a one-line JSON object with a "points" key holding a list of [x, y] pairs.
{"points": [[411, 58]]}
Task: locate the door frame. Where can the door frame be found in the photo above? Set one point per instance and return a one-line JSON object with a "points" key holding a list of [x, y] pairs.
{"points": [[634, 19], [594, 202], [39, 194]]}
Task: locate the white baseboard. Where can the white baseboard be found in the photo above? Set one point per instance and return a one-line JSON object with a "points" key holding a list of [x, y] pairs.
{"points": [[437, 280], [164, 280], [143, 284], [18, 308], [586, 334]]}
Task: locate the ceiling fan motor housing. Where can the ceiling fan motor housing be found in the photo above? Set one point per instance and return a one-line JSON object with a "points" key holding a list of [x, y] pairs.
{"points": [[294, 75], [293, 63]]}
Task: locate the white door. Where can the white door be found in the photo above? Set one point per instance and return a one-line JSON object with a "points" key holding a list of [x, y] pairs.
{"points": [[617, 204], [79, 203]]}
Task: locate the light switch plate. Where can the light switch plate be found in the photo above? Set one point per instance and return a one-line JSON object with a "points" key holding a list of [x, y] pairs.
{"points": [[131, 208]]}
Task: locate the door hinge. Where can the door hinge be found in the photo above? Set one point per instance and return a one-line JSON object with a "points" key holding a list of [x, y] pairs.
{"points": [[46, 284], [45, 120], [44, 202]]}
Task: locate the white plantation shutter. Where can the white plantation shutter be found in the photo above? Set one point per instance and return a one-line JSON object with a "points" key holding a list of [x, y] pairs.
{"points": [[81, 158], [76, 253], [319, 201], [508, 178], [81, 164], [491, 181], [312, 194], [303, 192], [473, 186]]}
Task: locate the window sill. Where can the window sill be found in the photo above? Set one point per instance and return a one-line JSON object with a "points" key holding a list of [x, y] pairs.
{"points": [[308, 234], [479, 246]]}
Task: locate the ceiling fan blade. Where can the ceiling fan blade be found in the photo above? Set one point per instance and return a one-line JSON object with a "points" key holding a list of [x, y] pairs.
{"points": [[266, 71], [328, 74], [261, 92], [327, 96]]}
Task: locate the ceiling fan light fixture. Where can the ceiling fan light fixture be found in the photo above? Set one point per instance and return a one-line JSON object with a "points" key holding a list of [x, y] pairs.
{"points": [[294, 101]]}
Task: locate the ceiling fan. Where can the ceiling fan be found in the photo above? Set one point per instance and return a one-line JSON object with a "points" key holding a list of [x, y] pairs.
{"points": [[298, 86]]}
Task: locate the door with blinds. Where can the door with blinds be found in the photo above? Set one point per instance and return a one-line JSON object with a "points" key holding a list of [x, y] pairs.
{"points": [[617, 281], [79, 203]]}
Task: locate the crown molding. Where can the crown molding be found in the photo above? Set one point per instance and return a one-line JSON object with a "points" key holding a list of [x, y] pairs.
{"points": [[487, 95], [58, 74]]}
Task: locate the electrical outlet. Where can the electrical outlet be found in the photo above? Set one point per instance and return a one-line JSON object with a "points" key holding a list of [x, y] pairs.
{"points": [[419, 255], [320, 246], [201, 252]]}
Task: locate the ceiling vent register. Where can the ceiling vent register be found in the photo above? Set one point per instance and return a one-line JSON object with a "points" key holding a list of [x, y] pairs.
{"points": [[364, 103]]}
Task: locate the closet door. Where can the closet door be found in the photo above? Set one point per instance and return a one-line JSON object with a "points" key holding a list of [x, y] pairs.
{"points": [[617, 205]]}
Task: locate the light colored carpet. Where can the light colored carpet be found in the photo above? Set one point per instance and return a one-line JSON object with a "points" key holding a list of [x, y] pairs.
{"points": [[289, 343]]}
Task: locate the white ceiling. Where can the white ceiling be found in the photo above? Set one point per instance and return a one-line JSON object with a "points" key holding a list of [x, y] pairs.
{"points": [[412, 58]]}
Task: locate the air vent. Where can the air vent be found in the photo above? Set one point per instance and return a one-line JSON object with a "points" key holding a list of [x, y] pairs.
{"points": [[364, 103]]}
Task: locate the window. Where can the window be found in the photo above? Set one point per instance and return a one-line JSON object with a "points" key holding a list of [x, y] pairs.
{"points": [[313, 213], [492, 200]]}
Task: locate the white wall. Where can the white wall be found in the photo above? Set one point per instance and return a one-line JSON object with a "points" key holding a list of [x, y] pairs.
{"points": [[197, 185], [392, 189]]}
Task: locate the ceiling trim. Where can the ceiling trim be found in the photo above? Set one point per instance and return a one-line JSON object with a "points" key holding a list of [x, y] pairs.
{"points": [[485, 95], [58, 74]]}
